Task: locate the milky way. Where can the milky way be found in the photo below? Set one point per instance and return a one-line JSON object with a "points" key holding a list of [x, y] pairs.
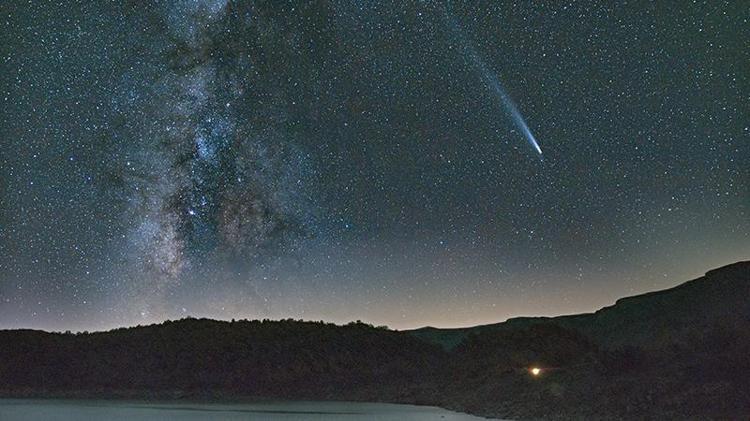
{"points": [[212, 185]]}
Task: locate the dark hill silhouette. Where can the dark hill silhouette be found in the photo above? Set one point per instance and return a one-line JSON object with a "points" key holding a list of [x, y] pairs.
{"points": [[193, 357], [675, 354]]}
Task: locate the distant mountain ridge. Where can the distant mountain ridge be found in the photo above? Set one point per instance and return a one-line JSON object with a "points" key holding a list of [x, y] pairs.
{"points": [[679, 353], [642, 320]]}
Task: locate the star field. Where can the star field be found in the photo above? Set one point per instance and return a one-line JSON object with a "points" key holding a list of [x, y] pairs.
{"points": [[338, 160]]}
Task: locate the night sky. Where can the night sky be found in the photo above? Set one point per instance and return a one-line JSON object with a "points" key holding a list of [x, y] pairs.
{"points": [[402, 163]]}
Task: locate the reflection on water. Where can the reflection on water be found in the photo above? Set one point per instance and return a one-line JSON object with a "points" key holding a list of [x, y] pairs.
{"points": [[70, 410]]}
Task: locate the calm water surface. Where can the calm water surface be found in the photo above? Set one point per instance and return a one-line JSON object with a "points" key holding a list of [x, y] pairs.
{"points": [[70, 410]]}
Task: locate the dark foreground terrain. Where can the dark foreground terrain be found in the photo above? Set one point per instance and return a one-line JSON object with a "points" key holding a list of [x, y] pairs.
{"points": [[676, 354]]}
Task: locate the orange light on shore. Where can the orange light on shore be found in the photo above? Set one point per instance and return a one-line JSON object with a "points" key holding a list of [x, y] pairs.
{"points": [[535, 371]]}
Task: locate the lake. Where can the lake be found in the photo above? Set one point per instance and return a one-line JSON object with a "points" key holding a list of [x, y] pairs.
{"points": [[70, 410]]}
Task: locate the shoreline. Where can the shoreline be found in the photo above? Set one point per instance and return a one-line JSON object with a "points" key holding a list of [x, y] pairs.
{"points": [[203, 399]]}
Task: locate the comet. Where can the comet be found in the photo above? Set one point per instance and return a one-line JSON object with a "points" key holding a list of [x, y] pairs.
{"points": [[490, 79]]}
